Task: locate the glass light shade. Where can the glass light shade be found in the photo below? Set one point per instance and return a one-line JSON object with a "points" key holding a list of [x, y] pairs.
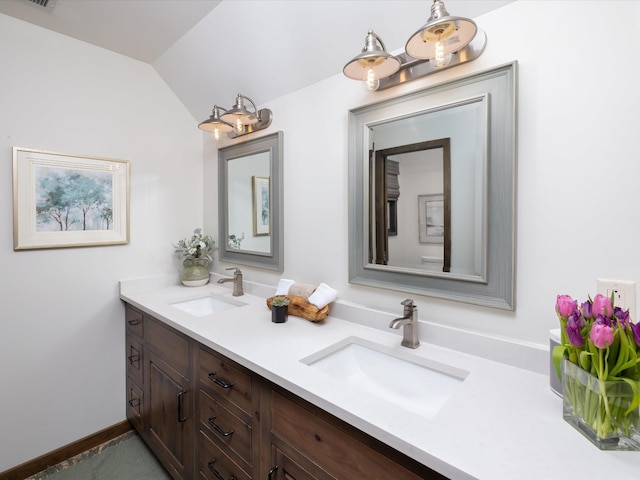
{"points": [[453, 34]]}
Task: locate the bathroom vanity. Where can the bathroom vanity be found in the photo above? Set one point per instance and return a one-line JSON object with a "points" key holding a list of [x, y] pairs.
{"points": [[206, 416], [218, 391]]}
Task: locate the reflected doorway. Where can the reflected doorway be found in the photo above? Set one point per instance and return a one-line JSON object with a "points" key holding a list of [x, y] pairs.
{"points": [[422, 200]]}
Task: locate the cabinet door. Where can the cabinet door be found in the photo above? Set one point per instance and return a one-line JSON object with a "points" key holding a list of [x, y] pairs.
{"points": [[169, 415]]}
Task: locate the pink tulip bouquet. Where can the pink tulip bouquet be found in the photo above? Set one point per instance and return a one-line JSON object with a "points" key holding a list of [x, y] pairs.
{"points": [[601, 340]]}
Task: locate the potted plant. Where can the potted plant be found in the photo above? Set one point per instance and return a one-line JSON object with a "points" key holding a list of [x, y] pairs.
{"points": [[196, 258], [279, 306]]}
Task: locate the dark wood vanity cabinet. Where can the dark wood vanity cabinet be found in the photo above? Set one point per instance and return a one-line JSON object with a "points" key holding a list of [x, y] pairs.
{"points": [[135, 366], [160, 403], [207, 417]]}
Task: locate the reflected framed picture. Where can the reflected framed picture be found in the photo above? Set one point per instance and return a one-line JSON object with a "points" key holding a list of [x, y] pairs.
{"points": [[431, 218], [67, 200], [261, 205]]}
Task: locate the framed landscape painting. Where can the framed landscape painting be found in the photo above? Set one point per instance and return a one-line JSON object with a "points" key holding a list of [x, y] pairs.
{"points": [[66, 200]]}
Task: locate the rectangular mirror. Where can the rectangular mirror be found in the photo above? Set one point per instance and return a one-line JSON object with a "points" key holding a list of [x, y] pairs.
{"points": [[432, 191], [250, 203]]}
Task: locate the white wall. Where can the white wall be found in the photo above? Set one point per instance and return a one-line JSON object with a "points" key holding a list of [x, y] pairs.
{"points": [[62, 368], [577, 165]]}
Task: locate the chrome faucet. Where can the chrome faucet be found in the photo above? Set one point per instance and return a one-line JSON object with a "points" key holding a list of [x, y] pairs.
{"points": [[237, 281], [410, 323]]}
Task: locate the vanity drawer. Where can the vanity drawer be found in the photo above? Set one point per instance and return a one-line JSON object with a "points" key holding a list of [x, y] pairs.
{"points": [[225, 379], [214, 464], [135, 404], [134, 321], [339, 453], [135, 360], [221, 424], [168, 343]]}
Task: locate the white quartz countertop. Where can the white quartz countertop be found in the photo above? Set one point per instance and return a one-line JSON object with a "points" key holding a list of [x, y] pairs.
{"points": [[502, 422]]}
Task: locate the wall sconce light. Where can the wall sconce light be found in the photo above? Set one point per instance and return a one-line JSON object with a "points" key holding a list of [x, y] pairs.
{"points": [[215, 126], [443, 42], [373, 63], [238, 120]]}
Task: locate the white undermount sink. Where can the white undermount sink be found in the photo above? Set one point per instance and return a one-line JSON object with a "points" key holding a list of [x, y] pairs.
{"points": [[419, 385], [212, 303]]}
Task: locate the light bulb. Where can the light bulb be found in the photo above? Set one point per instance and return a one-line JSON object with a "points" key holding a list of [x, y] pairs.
{"points": [[216, 134], [371, 82], [239, 126], [441, 59]]}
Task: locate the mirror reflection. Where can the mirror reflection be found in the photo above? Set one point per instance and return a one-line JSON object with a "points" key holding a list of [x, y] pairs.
{"points": [[250, 203], [427, 197]]}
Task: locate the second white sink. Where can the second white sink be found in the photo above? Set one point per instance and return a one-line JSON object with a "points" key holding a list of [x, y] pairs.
{"points": [[414, 383], [200, 307]]}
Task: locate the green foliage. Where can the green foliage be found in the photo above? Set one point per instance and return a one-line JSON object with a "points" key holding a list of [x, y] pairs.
{"points": [[235, 241], [198, 246], [280, 301]]}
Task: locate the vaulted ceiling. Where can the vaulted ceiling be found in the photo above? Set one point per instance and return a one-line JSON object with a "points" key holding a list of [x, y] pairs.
{"points": [[207, 51]]}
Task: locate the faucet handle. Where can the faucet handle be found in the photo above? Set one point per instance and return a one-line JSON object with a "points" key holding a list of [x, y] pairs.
{"points": [[407, 303], [237, 270]]}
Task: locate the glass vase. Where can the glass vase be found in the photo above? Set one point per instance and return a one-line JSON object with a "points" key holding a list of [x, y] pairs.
{"points": [[195, 272], [600, 409]]}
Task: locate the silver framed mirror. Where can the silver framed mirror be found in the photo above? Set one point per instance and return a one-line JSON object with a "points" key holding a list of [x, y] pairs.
{"points": [[437, 168], [250, 203]]}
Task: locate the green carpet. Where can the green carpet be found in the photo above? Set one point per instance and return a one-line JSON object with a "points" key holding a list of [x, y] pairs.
{"points": [[125, 458]]}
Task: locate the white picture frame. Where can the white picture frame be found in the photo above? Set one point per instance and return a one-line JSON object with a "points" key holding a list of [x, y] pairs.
{"points": [[68, 200], [431, 220]]}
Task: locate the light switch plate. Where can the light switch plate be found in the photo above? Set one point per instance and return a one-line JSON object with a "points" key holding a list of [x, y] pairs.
{"points": [[624, 294]]}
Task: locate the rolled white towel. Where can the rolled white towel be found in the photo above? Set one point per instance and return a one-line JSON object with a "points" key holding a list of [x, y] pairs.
{"points": [[283, 286], [323, 295]]}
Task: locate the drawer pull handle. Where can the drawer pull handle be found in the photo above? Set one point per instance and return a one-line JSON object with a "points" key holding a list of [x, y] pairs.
{"points": [[217, 473], [135, 322], [217, 428], [134, 358], [218, 381], [180, 417], [273, 470], [136, 401]]}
